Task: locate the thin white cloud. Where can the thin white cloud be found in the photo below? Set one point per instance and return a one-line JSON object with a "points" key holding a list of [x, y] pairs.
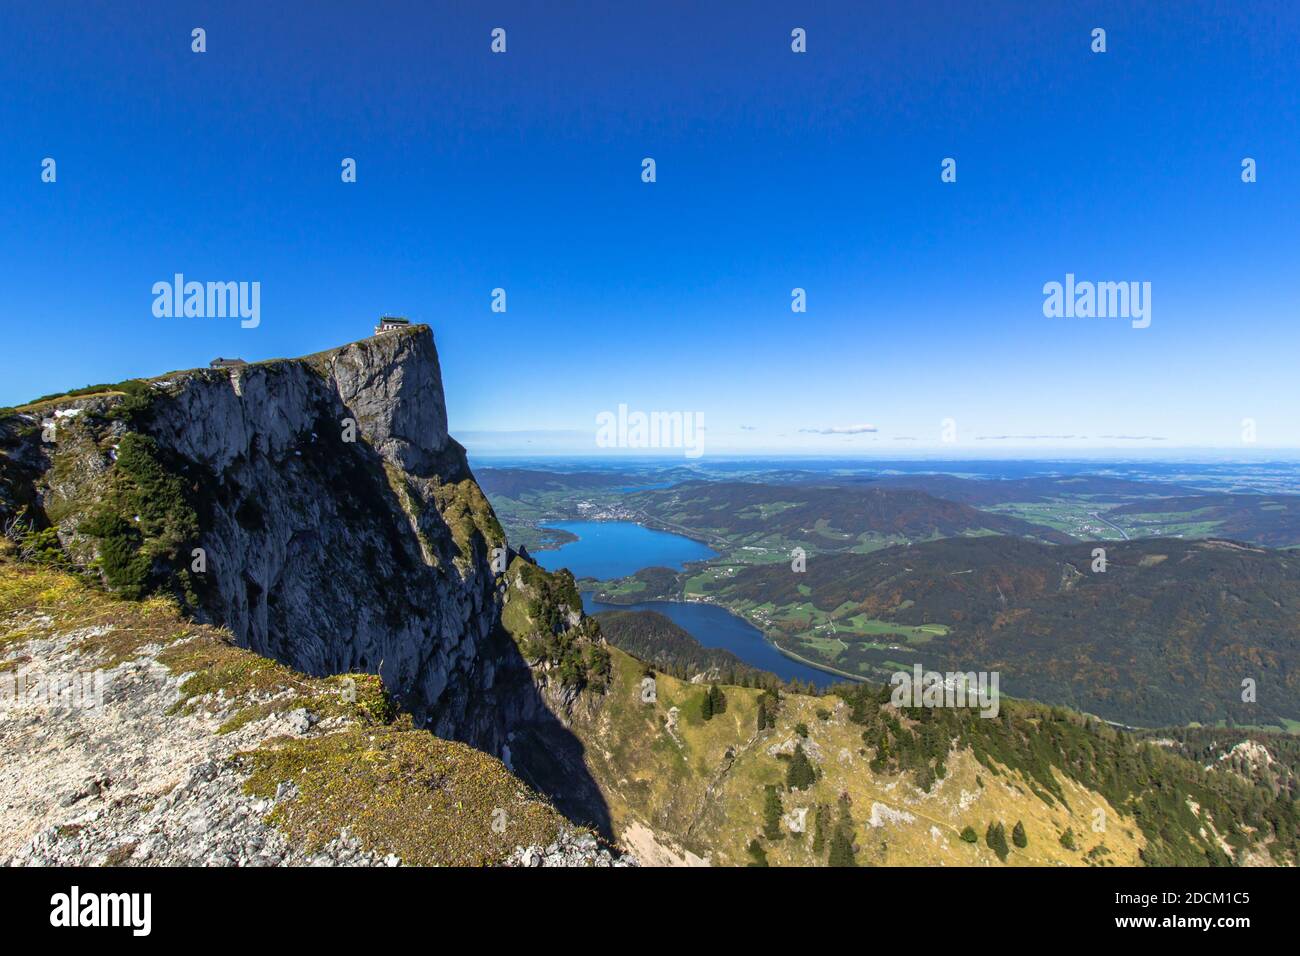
{"points": [[1027, 437], [841, 430]]}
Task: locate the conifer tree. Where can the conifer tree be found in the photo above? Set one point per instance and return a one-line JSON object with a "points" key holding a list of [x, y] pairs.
{"points": [[800, 774], [772, 811], [822, 825], [842, 852], [1018, 836], [881, 760], [996, 838]]}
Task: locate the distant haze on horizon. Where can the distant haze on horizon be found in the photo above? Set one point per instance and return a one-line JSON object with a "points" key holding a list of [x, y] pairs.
{"points": [[775, 171], [581, 445]]}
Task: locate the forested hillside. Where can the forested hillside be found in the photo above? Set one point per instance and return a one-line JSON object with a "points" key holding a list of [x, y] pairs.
{"points": [[1166, 634]]}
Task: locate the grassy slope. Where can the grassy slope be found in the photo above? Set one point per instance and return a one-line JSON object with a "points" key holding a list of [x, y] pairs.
{"points": [[694, 798], [398, 789]]}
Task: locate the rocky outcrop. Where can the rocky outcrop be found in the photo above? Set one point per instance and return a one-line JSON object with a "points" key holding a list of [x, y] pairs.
{"points": [[336, 526], [569, 849], [319, 510], [390, 385], [393, 385]]}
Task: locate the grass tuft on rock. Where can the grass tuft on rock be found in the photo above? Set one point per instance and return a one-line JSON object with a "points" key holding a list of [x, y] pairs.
{"points": [[430, 801]]}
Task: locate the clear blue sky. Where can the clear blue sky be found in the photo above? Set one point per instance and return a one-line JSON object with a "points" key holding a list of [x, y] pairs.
{"points": [[775, 170]]}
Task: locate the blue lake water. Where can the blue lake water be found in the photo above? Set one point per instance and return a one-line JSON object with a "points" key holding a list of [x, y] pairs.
{"points": [[615, 549], [715, 626], [652, 486]]}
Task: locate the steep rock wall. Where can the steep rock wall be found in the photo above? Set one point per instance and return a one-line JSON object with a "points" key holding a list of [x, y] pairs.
{"points": [[328, 554]]}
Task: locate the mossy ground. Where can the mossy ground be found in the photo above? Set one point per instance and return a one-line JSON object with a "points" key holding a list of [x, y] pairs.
{"points": [[36, 601], [397, 789], [261, 687], [468, 515], [432, 802]]}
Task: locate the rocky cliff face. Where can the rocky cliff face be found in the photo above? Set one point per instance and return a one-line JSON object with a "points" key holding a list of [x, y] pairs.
{"points": [[369, 554], [316, 507]]}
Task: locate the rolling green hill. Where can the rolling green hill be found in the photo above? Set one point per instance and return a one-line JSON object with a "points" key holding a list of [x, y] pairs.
{"points": [[658, 641], [1166, 635], [983, 492], [820, 518], [1270, 520]]}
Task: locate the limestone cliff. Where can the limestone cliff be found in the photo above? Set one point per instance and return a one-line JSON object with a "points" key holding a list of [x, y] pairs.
{"points": [[316, 507]]}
